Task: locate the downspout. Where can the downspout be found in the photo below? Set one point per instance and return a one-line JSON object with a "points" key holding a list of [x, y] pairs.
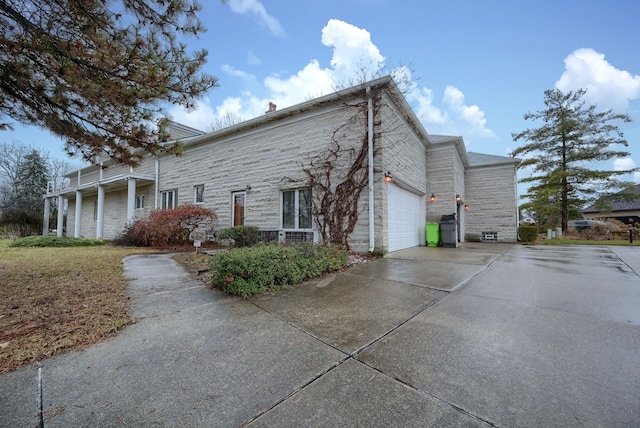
{"points": [[515, 185], [370, 155], [155, 198]]}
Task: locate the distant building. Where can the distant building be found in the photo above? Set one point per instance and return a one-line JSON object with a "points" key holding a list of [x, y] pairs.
{"points": [[626, 211]]}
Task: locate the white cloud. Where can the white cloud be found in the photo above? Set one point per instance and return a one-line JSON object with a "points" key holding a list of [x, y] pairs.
{"points": [[252, 59], [246, 106], [310, 82], [427, 112], [625, 164], [607, 86], [198, 118], [353, 54], [353, 51], [471, 115], [256, 8], [231, 71], [354, 57], [455, 118]]}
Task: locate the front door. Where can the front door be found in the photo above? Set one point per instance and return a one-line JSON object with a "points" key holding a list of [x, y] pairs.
{"points": [[238, 208]]}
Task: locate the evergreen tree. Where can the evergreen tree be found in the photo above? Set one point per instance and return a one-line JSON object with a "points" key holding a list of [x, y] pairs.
{"points": [[32, 175], [24, 207], [99, 73], [565, 152]]}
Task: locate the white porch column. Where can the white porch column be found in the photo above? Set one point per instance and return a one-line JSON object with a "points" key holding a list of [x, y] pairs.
{"points": [[60, 224], [47, 210], [77, 224], [100, 213], [131, 201]]}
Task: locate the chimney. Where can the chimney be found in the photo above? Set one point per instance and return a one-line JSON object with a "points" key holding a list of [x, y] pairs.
{"points": [[272, 107]]}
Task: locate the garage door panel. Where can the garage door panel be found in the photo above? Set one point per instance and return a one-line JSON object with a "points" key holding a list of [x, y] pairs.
{"points": [[405, 218]]}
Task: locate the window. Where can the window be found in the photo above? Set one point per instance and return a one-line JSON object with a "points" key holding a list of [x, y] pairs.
{"points": [[296, 209], [198, 194], [237, 208], [139, 202], [169, 199]]}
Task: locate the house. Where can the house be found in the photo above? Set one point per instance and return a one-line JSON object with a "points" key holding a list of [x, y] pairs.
{"points": [[274, 170], [626, 209]]}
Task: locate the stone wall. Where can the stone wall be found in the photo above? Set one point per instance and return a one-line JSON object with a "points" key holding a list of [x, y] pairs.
{"points": [[445, 179], [491, 196]]}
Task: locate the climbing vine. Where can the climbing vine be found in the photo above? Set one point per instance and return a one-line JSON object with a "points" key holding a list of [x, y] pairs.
{"points": [[338, 174]]}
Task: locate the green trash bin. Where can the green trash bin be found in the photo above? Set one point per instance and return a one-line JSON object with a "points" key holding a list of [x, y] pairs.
{"points": [[433, 234]]}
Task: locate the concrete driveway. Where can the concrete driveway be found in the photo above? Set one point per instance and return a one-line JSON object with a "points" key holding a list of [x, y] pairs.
{"points": [[481, 335]]}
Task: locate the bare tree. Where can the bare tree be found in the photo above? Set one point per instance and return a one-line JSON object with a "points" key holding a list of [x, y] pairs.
{"points": [[58, 169], [339, 173], [224, 121]]}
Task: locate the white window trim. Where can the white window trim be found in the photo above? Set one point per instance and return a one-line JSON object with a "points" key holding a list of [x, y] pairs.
{"points": [[174, 199], [297, 211], [233, 206], [195, 194], [140, 198]]}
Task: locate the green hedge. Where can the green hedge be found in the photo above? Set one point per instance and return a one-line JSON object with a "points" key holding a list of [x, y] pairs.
{"points": [[528, 234], [242, 236], [55, 241], [251, 270]]}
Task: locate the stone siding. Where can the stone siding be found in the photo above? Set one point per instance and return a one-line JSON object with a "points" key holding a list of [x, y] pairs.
{"points": [[491, 196], [267, 159], [264, 157], [441, 164]]}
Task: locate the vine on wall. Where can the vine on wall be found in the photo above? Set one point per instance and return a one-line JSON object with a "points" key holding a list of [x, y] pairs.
{"points": [[339, 174]]}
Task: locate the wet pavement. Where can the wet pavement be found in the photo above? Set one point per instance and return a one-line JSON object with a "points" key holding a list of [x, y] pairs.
{"points": [[480, 335]]}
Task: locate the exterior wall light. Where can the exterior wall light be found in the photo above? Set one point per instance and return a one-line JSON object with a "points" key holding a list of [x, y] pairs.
{"points": [[387, 177], [432, 198], [458, 198], [248, 188], [466, 207]]}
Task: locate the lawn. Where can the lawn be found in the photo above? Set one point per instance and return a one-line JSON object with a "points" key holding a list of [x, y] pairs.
{"points": [[58, 299]]}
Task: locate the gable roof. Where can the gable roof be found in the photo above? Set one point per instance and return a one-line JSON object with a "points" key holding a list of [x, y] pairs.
{"points": [[481, 159], [630, 205], [398, 100], [471, 159], [178, 131], [438, 141]]}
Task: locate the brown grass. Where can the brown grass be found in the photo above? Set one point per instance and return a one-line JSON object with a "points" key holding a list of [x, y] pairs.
{"points": [[192, 262], [57, 299]]}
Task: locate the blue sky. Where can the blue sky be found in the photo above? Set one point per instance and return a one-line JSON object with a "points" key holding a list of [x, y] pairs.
{"points": [[478, 66]]}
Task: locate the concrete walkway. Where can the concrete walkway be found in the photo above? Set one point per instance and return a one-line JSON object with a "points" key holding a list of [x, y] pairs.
{"points": [[482, 335]]}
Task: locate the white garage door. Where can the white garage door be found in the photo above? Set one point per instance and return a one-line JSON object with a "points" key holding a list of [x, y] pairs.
{"points": [[406, 221]]}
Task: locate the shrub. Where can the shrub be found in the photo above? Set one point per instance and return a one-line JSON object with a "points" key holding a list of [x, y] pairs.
{"points": [[528, 234], [242, 236], [169, 227], [250, 270], [55, 241]]}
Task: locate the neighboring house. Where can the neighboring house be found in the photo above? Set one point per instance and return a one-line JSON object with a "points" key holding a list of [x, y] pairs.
{"points": [[627, 211], [252, 173]]}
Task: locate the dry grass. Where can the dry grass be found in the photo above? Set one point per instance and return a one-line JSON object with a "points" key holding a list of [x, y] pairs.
{"points": [[192, 262], [54, 300], [58, 299]]}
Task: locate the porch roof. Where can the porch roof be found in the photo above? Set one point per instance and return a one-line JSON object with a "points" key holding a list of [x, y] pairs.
{"points": [[116, 182]]}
